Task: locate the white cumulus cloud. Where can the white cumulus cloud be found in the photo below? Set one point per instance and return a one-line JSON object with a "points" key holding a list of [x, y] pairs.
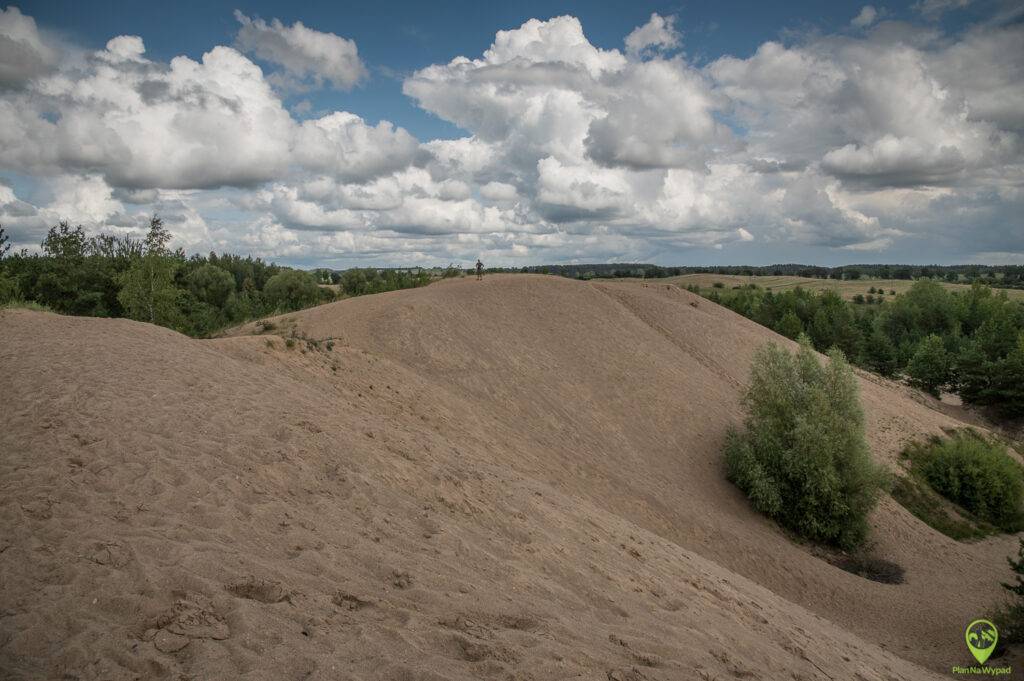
{"points": [[894, 136], [658, 33], [865, 17], [24, 54], [303, 52]]}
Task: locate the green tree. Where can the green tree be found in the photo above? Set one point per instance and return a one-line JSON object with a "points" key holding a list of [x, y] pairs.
{"points": [[157, 238], [833, 325], [1010, 618], [880, 354], [1008, 381], [69, 280], [211, 285], [803, 458], [930, 369], [790, 326], [291, 290], [147, 291], [64, 242], [8, 286]]}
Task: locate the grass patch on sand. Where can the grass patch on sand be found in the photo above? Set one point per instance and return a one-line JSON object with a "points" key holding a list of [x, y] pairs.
{"points": [[964, 486], [24, 305]]}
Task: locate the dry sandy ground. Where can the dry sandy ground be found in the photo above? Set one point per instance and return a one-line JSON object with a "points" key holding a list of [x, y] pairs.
{"points": [[518, 478]]}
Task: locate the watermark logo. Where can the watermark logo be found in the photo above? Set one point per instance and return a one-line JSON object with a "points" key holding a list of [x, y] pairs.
{"points": [[981, 637]]}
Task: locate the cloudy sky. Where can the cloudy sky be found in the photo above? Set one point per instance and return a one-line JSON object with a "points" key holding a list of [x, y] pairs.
{"points": [[531, 133]]}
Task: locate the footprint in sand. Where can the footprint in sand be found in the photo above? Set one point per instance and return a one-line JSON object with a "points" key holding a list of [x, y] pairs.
{"points": [[349, 601], [110, 554], [401, 579], [257, 589], [191, 617]]}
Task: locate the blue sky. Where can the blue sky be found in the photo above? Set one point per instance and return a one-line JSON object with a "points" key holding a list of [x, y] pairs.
{"points": [[396, 38], [666, 132]]}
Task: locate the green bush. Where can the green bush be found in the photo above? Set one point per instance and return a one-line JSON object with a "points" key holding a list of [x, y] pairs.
{"points": [[790, 326], [292, 290], [979, 476], [802, 459], [914, 493], [8, 288], [211, 285]]}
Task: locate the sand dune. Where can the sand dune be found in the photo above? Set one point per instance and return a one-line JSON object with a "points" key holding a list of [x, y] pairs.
{"points": [[518, 478]]}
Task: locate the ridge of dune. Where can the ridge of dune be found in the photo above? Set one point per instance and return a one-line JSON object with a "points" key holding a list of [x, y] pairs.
{"points": [[513, 478]]}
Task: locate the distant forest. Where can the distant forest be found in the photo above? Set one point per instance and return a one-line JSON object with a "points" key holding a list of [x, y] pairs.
{"points": [[199, 295], [999, 276], [968, 342]]}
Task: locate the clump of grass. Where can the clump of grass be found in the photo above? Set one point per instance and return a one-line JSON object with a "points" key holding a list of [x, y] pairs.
{"points": [[330, 345], [18, 304], [964, 486], [289, 343], [914, 494], [270, 343], [265, 325]]}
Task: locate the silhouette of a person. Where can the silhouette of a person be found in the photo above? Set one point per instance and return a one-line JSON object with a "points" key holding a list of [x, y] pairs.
{"points": [[479, 269]]}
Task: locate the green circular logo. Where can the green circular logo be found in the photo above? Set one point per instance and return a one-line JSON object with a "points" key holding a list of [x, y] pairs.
{"points": [[981, 637]]}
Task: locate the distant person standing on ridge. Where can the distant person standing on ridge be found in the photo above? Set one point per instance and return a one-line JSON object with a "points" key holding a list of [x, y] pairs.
{"points": [[479, 270]]}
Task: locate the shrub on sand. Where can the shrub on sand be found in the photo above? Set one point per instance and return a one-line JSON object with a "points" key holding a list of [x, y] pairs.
{"points": [[802, 458], [979, 476]]}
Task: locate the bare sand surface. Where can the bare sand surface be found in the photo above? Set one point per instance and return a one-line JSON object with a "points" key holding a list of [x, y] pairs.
{"points": [[518, 478]]}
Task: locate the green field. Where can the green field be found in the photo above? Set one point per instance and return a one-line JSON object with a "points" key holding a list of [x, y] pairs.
{"points": [[847, 289]]}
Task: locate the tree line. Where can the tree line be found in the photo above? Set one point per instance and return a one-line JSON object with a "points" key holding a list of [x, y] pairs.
{"points": [[122, 276], [999, 276], [968, 342]]}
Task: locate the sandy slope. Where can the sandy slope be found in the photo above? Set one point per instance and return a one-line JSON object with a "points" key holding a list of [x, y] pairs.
{"points": [[515, 478]]}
